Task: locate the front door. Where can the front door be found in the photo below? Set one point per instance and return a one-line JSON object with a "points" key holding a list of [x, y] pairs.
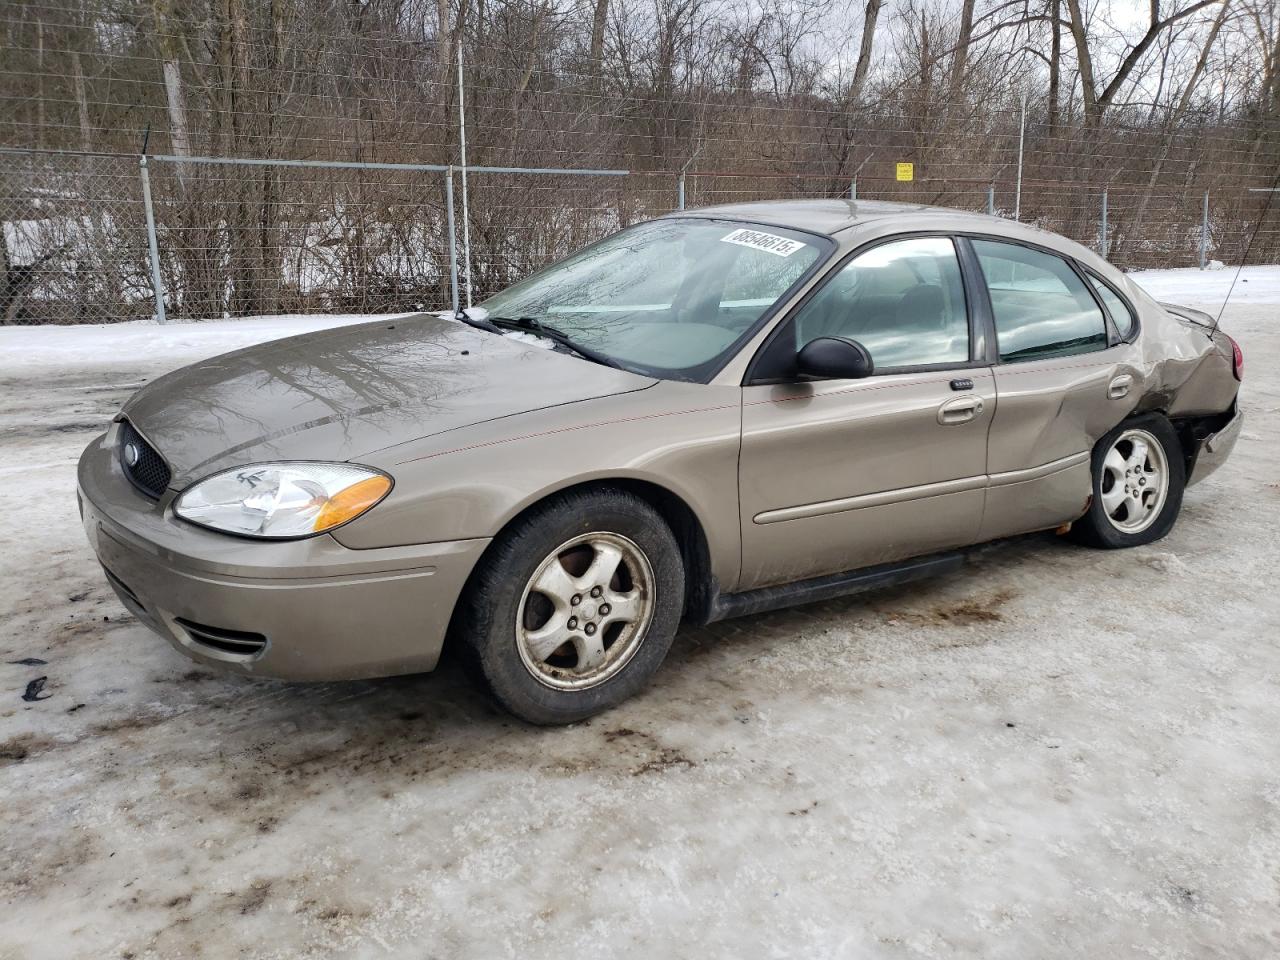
{"points": [[840, 474]]}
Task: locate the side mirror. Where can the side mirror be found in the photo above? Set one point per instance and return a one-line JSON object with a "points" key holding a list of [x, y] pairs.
{"points": [[834, 358]]}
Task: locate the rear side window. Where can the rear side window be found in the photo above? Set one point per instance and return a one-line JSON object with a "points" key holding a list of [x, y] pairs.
{"points": [[1121, 312], [903, 301], [1041, 306]]}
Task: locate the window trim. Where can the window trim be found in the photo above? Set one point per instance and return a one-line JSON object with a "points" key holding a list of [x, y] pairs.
{"points": [[977, 321], [1113, 337], [1135, 320], [976, 281]]}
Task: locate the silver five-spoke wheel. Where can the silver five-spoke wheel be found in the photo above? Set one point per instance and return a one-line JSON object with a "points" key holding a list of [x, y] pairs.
{"points": [[585, 610], [1135, 481]]}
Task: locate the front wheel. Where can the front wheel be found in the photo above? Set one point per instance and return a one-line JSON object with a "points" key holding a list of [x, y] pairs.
{"points": [[1138, 479], [574, 608]]}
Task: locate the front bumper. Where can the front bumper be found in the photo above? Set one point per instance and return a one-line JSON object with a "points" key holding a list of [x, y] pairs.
{"points": [[296, 610], [1215, 448]]}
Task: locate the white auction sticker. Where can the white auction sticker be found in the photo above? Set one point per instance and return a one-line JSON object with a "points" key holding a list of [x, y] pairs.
{"points": [[768, 242]]}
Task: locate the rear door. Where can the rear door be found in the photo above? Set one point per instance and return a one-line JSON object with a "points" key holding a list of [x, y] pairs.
{"points": [[840, 474], [1064, 378]]}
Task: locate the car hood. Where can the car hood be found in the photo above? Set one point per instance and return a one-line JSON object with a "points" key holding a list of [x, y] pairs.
{"points": [[343, 393]]}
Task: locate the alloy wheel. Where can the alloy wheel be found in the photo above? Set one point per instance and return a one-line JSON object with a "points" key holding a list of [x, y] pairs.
{"points": [[585, 611], [1135, 481]]}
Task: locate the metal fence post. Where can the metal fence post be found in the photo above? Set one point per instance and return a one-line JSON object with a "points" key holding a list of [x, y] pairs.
{"points": [[680, 192], [991, 199], [453, 240], [462, 140], [1204, 233], [153, 248], [1102, 228], [853, 189], [1022, 136]]}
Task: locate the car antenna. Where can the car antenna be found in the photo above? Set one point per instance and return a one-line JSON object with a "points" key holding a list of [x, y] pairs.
{"points": [[1266, 208]]}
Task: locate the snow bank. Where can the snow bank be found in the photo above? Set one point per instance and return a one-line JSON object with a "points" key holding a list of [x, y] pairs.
{"points": [[22, 348], [1207, 289]]}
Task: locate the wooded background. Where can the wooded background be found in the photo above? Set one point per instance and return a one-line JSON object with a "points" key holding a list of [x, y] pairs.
{"points": [[1155, 103]]}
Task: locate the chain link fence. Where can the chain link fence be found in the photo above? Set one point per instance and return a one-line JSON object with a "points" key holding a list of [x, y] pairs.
{"points": [[251, 237], [74, 244], [522, 221], [243, 239]]}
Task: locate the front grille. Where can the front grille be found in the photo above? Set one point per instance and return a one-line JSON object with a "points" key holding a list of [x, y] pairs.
{"points": [[238, 642], [148, 471]]}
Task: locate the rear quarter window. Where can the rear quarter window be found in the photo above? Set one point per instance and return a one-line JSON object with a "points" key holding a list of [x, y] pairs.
{"points": [[1121, 313]]}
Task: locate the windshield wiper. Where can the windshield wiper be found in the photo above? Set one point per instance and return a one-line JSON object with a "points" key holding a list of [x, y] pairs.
{"points": [[539, 329], [477, 322]]}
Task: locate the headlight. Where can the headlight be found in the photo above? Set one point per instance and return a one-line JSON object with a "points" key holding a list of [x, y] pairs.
{"points": [[282, 500]]}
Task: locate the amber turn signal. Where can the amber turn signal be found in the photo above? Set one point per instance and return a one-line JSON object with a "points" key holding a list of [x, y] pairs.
{"points": [[349, 503]]}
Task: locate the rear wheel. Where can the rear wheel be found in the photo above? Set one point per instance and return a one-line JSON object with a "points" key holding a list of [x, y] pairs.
{"points": [[575, 607], [1138, 479]]}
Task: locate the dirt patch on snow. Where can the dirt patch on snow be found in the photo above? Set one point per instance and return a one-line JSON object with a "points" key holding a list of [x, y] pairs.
{"points": [[982, 609], [20, 748]]}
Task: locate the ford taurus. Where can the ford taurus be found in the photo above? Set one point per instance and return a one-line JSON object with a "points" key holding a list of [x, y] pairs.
{"points": [[705, 415]]}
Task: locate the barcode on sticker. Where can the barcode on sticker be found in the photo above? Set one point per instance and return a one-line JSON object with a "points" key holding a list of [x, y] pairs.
{"points": [[768, 242]]}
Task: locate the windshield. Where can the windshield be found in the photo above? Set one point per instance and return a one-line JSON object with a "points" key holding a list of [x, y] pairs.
{"points": [[671, 298]]}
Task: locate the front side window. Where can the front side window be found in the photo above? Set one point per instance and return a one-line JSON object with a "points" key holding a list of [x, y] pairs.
{"points": [[1121, 312], [1041, 306], [671, 298], [904, 301]]}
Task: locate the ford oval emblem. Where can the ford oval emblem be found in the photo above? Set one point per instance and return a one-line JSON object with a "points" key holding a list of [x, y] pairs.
{"points": [[132, 454]]}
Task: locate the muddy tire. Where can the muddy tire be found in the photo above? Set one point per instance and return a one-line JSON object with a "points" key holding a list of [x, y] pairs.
{"points": [[574, 607], [1138, 479]]}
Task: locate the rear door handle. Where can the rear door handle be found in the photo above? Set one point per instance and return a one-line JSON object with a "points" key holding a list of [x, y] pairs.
{"points": [[959, 410], [1120, 386]]}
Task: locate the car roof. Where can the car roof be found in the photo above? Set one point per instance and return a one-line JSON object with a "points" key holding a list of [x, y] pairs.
{"points": [[833, 216], [827, 216]]}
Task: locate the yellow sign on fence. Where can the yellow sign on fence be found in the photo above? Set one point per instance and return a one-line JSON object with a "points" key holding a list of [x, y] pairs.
{"points": [[906, 172]]}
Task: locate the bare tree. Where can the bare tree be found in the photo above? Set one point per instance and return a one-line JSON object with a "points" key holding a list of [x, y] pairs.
{"points": [[179, 131], [777, 97], [870, 18], [1175, 115], [1099, 93], [964, 38], [599, 20], [1055, 66]]}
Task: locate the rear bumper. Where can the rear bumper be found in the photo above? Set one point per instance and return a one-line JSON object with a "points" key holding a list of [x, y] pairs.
{"points": [[297, 610], [1215, 448]]}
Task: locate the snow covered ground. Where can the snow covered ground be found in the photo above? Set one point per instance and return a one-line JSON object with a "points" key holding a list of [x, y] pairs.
{"points": [[1054, 753], [147, 343], [1207, 289]]}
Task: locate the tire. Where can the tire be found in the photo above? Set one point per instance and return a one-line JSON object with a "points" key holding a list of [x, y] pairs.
{"points": [[1116, 517], [543, 580]]}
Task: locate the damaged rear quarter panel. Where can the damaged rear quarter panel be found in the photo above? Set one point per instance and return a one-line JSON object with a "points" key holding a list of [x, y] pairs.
{"points": [[1188, 372]]}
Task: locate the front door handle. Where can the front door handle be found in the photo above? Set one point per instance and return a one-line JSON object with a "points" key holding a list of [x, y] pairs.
{"points": [[1120, 386], [959, 410]]}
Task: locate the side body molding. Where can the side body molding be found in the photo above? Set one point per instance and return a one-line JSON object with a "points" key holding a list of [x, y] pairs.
{"points": [[924, 491]]}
